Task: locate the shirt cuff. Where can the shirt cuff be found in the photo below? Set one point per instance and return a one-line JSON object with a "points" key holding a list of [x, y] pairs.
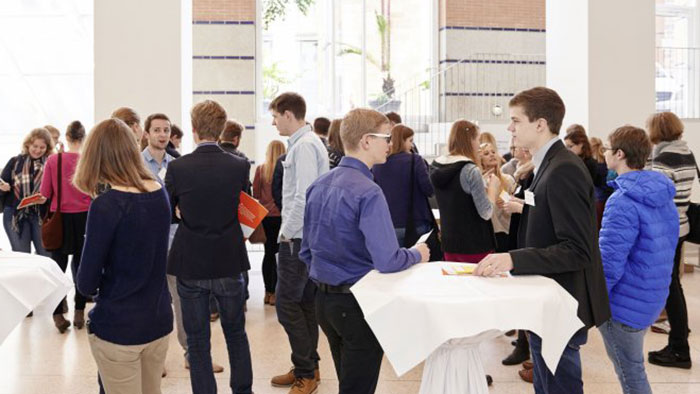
{"points": [[416, 255]]}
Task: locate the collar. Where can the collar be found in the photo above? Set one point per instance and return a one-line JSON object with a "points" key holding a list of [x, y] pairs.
{"points": [[538, 156], [147, 155], [298, 134], [351, 162], [206, 143]]}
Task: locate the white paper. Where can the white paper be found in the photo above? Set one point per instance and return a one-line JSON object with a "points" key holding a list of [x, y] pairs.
{"points": [[529, 198], [424, 237], [504, 196]]}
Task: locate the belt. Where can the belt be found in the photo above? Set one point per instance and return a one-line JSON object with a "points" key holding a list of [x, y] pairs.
{"points": [[340, 289]]}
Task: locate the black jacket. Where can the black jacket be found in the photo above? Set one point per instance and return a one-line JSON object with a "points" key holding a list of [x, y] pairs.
{"points": [[206, 185], [559, 235], [277, 182], [232, 149]]}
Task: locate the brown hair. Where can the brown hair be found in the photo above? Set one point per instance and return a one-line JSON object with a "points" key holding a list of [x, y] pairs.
{"points": [[664, 126], [577, 135], [597, 149], [393, 117], [462, 133], [334, 140], [541, 103], [127, 115], [175, 131], [357, 123], [75, 131], [109, 156], [634, 142], [40, 133], [399, 135], [321, 126], [53, 131], [232, 129], [151, 118], [274, 150], [291, 102], [208, 119]]}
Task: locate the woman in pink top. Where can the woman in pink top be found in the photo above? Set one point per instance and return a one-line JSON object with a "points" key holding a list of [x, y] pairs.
{"points": [[262, 190], [74, 209]]}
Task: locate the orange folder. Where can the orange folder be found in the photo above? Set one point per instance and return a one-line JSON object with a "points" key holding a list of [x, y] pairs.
{"points": [[250, 214]]}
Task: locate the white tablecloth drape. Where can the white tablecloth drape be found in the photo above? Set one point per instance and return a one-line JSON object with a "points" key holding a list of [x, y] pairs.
{"points": [[414, 312], [28, 282]]}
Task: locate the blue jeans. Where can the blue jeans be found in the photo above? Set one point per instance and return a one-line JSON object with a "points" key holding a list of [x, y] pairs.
{"points": [[567, 378], [194, 298], [420, 229], [625, 347], [30, 232]]}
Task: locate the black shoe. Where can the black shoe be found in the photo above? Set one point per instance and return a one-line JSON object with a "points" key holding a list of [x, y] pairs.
{"points": [[666, 357], [516, 357], [489, 380]]}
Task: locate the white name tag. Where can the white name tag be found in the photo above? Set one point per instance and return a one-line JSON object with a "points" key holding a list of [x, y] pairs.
{"points": [[161, 173], [529, 198]]}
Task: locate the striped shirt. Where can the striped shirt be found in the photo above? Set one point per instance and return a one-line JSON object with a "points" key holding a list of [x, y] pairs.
{"points": [[676, 161]]}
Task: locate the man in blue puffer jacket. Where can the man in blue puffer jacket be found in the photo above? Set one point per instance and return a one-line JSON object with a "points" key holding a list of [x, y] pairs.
{"points": [[637, 243]]}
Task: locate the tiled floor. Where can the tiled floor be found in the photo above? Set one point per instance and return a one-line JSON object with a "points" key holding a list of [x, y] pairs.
{"points": [[35, 359]]}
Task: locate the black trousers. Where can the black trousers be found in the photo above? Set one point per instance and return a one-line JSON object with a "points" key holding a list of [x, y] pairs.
{"points": [[356, 352], [73, 241], [676, 308], [62, 260], [271, 225]]}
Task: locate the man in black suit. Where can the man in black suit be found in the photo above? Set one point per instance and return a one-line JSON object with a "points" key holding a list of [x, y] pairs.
{"points": [[208, 254], [557, 235]]}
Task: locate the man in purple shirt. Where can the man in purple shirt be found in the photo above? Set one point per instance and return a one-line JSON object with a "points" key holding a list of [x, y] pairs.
{"points": [[347, 233]]}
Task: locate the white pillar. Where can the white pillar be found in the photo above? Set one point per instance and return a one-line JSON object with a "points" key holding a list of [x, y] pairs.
{"points": [[600, 58], [143, 59]]}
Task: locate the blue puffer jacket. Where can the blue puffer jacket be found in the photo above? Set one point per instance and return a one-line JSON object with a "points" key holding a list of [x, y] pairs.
{"points": [[638, 240]]}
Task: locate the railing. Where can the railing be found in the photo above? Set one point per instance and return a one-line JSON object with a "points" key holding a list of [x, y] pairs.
{"points": [[476, 88], [678, 81]]}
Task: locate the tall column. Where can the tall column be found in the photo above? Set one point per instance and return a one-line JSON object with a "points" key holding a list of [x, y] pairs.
{"points": [[600, 58], [143, 59]]}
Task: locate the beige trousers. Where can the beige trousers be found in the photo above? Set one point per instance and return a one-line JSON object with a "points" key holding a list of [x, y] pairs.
{"points": [[133, 369]]}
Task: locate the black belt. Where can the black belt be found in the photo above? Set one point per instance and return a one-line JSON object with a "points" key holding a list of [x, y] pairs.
{"points": [[340, 289]]}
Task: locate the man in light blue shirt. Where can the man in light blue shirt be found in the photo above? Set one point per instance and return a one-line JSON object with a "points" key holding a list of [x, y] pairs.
{"points": [[306, 160]]}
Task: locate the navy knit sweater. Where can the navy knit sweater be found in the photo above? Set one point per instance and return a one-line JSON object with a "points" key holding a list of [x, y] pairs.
{"points": [[123, 262]]}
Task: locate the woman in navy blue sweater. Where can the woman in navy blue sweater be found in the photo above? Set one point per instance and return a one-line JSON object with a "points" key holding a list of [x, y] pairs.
{"points": [[123, 261], [394, 177]]}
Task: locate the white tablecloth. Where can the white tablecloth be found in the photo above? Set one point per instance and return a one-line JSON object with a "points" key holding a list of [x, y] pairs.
{"points": [[28, 282], [414, 312]]}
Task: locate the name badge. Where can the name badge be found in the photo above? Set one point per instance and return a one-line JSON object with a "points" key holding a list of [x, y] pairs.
{"points": [[161, 173], [529, 198]]}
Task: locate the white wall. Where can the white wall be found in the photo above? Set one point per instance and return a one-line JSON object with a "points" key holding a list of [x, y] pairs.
{"points": [[692, 136], [143, 59]]}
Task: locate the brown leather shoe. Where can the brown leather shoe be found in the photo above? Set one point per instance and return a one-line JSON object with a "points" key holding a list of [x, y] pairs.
{"points": [[266, 300], [288, 378], [304, 386], [526, 375], [61, 323], [272, 300], [528, 365], [79, 318]]}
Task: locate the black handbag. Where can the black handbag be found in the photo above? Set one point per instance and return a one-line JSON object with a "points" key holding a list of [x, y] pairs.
{"points": [[694, 216]]}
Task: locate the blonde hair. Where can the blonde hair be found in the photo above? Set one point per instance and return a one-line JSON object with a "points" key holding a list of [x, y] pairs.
{"points": [[357, 123], [208, 119], [274, 150], [110, 156], [40, 133], [497, 167], [597, 149], [334, 140], [488, 138], [399, 135], [462, 133], [664, 126]]}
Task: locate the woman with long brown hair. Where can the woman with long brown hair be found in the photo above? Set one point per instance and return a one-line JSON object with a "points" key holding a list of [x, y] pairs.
{"points": [[405, 174], [124, 261], [262, 190], [335, 144], [21, 178], [466, 206]]}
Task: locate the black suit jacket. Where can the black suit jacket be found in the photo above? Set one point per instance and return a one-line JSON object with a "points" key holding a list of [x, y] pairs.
{"points": [[558, 236], [206, 185]]}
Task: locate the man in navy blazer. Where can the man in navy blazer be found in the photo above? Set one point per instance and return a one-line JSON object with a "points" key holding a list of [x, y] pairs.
{"points": [[208, 253]]}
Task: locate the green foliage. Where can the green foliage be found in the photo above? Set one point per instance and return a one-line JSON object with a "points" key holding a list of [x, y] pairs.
{"points": [[273, 77], [277, 9]]}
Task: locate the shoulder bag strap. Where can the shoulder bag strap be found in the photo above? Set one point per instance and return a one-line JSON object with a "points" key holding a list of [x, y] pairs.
{"points": [[60, 181]]}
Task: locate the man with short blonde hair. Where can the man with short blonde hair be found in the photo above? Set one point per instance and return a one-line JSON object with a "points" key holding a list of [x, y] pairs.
{"points": [[209, 119], [359, 122]]}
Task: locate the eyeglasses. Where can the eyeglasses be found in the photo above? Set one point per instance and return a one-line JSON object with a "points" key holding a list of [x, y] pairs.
{"points": [[604, 148], [386, 137]]}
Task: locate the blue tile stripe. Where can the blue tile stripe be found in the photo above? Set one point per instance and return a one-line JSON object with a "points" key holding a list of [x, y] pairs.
{"points": [[250, 127], [223, 92], [224, 57], [493, 61], [518, 29], [223, 22], [476, 94]]}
